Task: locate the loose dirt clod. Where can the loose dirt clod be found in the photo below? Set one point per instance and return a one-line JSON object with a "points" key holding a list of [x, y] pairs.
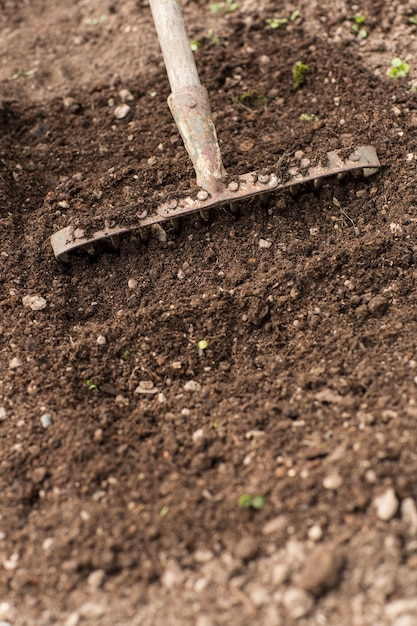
{"points": [[322, 570]]}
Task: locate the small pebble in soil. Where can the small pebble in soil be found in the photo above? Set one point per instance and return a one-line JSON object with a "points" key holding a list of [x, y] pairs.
{"points": [[121, 111], [386, 505], [197, 435], [46, 420], [192, 385], [274, 525], [146, 387], [404, 620], [132, 283], [246, 549], [125, 95], [96, 579], [265, 244], [297, 602], [3, 413], [409, 514], [101, 340], [378, 305], [332, 481], [36, 303], [90, 610], [205, 620], [15, 363], [73, 619], [315, 533], [322, 570]]}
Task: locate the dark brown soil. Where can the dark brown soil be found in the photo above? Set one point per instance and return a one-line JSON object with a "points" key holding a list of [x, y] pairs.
{"points": [[310, 365]]}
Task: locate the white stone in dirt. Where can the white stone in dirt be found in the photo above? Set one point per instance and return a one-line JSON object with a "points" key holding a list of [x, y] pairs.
{"points": [[121, 111], [146, 387], [36, 303], [3, 413], [125, 95], [280, 573], [408, 514], [192, 385], [332, 481], [328, 396], [386, 505], [91, 610], [205, 620], [46, 420], [101, 340], [403, 620], [96, 578], [132, 283], [265, 244], [403, 606], [15, 363], [298, 603], [197, 435], [73, 619], [6, 610], [315, 533], [172, 576]]}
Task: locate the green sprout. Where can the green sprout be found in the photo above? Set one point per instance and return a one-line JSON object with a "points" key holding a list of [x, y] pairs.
{"points": [[247, 501], [202, 345], [95, 21], [308, 117], [414, 88], [212, 37], [253, 99], [228, 6], [294, 15], [24, 74], [276, 22], [164, 511], [195, 45], [357, 26], [91, 386], [399, 69], [299, 72], [126, 355], [412, 20]]}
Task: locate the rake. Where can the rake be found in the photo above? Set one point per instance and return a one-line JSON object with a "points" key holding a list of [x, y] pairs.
{"points": [[190, 107]]}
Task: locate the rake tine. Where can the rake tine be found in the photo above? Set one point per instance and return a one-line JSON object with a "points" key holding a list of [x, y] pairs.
{"points": [[235, 208], [176, 224], [318, 183], [159, 233], [115, 241], [264, 200], [144, 234], [90, 249], [205, 215]]}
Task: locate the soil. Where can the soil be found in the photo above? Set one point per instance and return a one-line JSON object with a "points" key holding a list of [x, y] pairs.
{"points": [[125, 448]]}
